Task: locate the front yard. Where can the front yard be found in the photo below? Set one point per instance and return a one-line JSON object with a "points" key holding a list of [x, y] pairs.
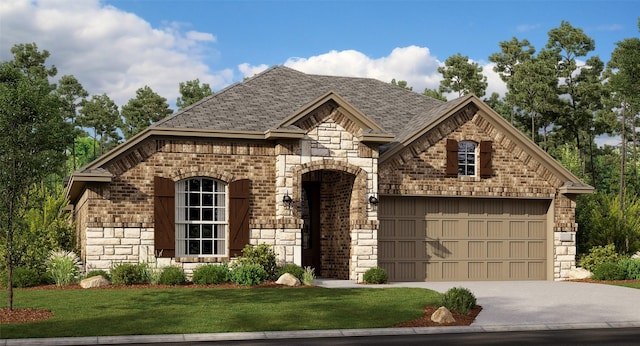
{"points": [[136, 311]]}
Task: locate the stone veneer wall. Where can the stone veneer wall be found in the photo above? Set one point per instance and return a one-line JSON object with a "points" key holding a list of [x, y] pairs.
{"points": [[419, 170]]}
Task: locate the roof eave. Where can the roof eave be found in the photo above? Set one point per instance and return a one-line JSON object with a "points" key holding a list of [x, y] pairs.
{"points": [[381, 138], [284, 134], [582, 189], [79, 180]]}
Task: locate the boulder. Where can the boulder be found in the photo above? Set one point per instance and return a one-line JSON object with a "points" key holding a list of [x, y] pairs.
{"points": [[287, 279], [442, 315], [636, 255], [94, 281], [579, 274]]}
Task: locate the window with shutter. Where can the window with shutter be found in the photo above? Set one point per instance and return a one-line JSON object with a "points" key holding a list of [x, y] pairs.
{"points": [[239, 200], [452, 158], [486, 150]]}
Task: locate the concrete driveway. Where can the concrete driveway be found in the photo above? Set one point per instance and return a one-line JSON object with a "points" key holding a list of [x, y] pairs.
{"points": [[554, 304]]}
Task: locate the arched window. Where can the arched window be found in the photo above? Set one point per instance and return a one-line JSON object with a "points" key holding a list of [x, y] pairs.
{"points": [[201, 217], [466, 158]]}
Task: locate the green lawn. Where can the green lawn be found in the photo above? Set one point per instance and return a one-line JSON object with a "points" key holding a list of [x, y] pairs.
{"points": [[635, 284], [96, 312]]}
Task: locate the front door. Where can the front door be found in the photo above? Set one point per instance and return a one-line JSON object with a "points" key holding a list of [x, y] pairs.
{"points": [[311, 228]]}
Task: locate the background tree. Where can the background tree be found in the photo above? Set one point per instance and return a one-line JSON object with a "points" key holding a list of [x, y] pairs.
{"points": [[143, 110], [434, 93], [462, 76], [31, 61], [512, 53], [192, 92], [101, 114], [402, 84], [33, 138], [72, 95]]}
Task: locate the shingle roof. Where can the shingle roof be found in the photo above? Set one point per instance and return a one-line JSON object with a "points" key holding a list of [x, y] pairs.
{"points": [[263, 101]]}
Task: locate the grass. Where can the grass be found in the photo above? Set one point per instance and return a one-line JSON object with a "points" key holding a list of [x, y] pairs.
{"points": [[213, 310], [635, 284]]}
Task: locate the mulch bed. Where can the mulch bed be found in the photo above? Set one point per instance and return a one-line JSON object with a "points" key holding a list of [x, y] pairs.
{"points": [[425, 320]]}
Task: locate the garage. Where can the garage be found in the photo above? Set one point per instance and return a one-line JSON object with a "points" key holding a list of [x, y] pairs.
{"points": [[458, 239]]}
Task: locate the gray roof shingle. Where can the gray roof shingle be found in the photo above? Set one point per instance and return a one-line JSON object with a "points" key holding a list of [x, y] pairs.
{"points": [[263, 101]]}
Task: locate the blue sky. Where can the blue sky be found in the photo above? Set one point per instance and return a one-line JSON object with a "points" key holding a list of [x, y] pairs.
{"points": [[118, 46]]}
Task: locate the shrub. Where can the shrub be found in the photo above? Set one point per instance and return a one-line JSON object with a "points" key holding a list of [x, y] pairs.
{"points": [[129, 274], [98, 272], [609, 271], [62, 267], [598, 255], [261, 255], [22, 277], [308, 276], [632, 267], [459, 299], [375, 275], [292, 269], [249, 275], [211, 274], [172, 276]]}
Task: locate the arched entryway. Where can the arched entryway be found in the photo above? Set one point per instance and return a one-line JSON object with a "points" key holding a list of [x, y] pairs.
{"points": [[326, 214]]}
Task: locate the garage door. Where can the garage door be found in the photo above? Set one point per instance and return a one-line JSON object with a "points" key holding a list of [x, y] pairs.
{"points": [[450, 239]]}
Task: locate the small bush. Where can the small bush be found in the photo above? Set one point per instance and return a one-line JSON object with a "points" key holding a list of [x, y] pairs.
{"points": [[632, 267], [308, 276], [609, 271], [172, 276], [22, 277], [62, 267], [129, 274], [292, 269], [459, 299], [211, 274], [598, 255], [249, 275], [261, 255], [375, 275], [98, 272]]}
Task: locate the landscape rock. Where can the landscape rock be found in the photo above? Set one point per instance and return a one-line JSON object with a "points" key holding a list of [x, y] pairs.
{"points": [[442, 315], [636, 255], [579, 274], [287, 279], [94, 281]]}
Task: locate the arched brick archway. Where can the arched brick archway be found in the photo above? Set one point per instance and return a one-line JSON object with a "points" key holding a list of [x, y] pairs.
{"points": [[332, 195]]}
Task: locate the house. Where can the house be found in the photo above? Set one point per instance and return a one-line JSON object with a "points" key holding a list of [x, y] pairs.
{"points": [[338, 173]]}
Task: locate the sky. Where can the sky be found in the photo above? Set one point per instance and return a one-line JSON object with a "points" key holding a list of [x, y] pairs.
{"points": [[118, 46]]}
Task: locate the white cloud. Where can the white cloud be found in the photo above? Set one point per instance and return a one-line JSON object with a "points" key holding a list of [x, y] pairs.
{"points": [[413, 64], [108, 50], [527, 27], [250, 71]]}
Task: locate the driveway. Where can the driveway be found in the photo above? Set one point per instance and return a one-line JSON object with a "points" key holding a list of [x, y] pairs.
{"points": [[556, 304]]}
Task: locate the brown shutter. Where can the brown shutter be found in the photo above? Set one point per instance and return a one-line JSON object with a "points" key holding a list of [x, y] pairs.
{"points": [[239, 201], [486, 170], [164, 217], [452, 158]]}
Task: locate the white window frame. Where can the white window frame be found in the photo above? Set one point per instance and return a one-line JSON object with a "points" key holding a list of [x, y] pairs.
{"points": [[465, 155], [202, 218]]}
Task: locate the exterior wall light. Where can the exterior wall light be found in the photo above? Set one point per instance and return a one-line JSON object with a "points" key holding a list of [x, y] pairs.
{"points": [[286, 200], [373, 200]]}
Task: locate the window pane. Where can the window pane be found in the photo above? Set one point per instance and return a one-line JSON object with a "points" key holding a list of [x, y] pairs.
{"points": [[219, 231], [207, 185], [220, 199], [194, 214], [194, 231], [220, 214], [470, 170], [219, 247], [194, 199], [207, 199], [194, 247], [219, 187], [207, 247], [194, 185], [207, 231], [207, 214]]}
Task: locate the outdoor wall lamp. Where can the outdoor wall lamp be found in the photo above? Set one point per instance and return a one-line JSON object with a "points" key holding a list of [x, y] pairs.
{"points": [[286, 200], [373, 200]]}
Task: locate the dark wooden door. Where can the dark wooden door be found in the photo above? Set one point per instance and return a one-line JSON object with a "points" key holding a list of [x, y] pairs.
{"points": [[311, 229]]}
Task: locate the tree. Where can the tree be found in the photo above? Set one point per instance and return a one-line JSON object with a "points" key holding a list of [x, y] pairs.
{"points": [[191, 92], [33, 138], [511, 54], [462, 76], [402, 84], [72, 95], [31, 61], [101, 114], [142, 111], [434, 93]]}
